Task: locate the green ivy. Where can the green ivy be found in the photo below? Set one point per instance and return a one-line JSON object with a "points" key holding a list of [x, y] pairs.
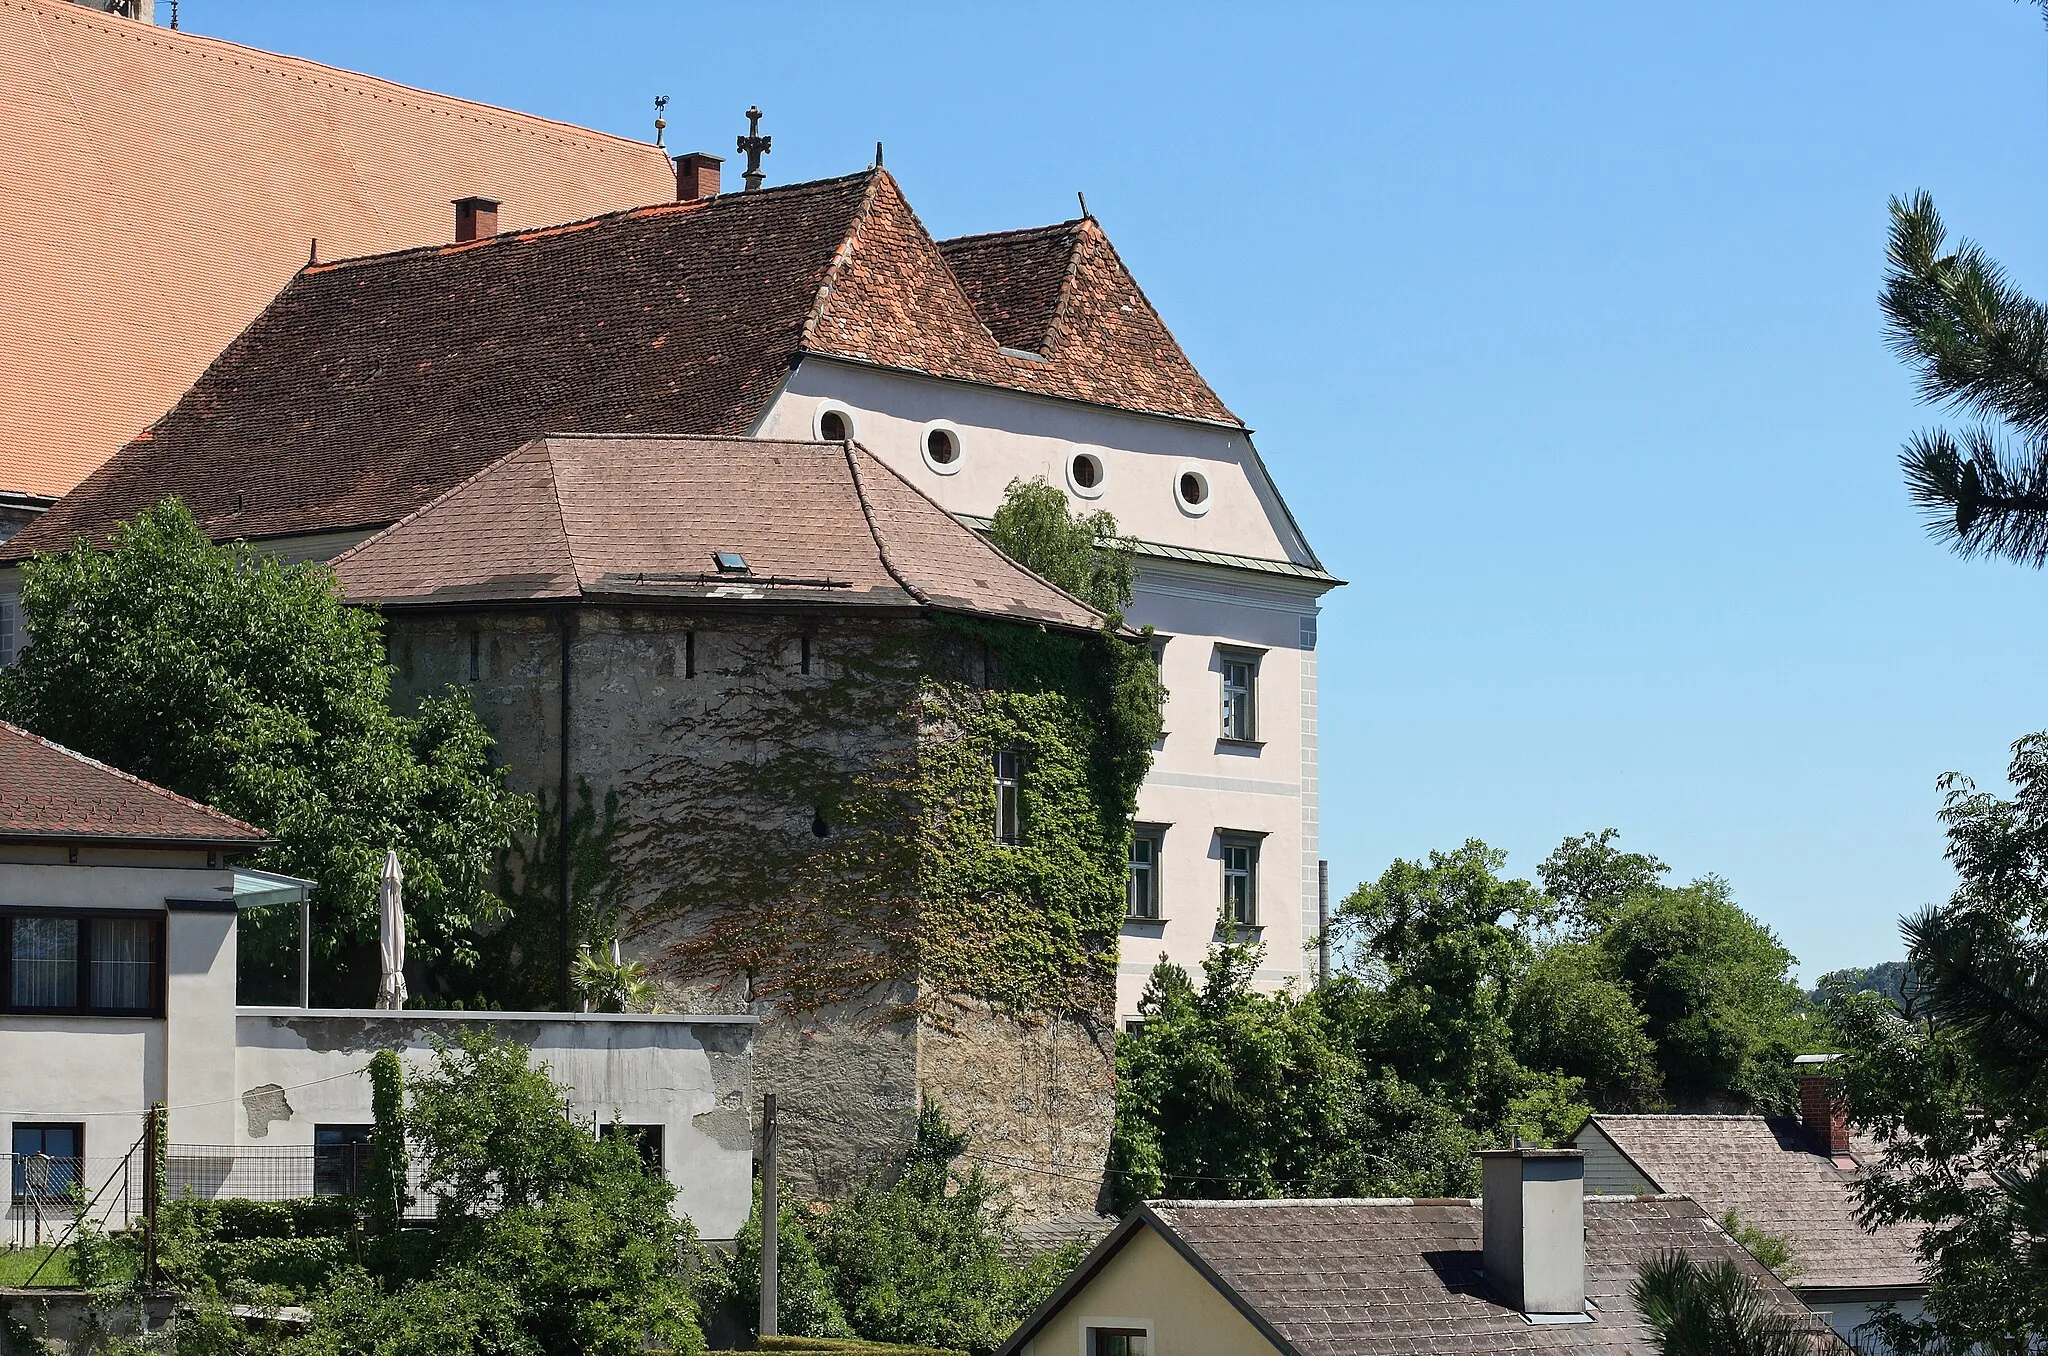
{"points": [[521, 962]]}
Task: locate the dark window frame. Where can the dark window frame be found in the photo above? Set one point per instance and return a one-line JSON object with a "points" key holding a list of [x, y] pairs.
{"points": [[84, 1008], [345, 1158], [17, 1186], [1009, 828], [1097, 1347]]}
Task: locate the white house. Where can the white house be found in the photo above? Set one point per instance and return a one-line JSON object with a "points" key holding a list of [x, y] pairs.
{"points": [[118, 911]]}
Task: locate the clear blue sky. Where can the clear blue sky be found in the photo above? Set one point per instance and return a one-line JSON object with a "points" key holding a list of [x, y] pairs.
{"points": [[1557, 324]]}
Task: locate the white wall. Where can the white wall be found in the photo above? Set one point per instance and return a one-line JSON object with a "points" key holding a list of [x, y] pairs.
{"points": [[689, 1075], [1198, 785]]}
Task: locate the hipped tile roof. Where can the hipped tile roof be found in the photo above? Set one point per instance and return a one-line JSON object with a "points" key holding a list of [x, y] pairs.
{"points": [[371, 386], [53, 793], [642, 519], [1394, 1277], [1767, 1169], [158, 188]]}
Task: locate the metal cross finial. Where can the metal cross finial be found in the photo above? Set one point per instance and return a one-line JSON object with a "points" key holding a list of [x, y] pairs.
{"points": [[660, 107], [754, 145]]}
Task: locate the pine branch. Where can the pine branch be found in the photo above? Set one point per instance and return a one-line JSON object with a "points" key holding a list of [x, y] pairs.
{"points": [[1981, 498], [1978, 342]]}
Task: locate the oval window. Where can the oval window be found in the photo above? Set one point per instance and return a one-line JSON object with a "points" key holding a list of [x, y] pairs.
{"points": [[1084, 474], [941, 448], [1191, 491], [835, 425]]}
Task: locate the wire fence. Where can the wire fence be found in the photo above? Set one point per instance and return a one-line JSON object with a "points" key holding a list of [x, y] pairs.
{"points": [[45, 1192]]}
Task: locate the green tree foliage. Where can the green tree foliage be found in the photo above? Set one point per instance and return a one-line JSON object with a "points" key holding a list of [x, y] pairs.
{"points": [[1772, 1250], [1715, 1310], [1081, 553], [1890, 979], [227, 676], [384, 1177], [1571, 1015], [1957, 1094], [1589, 879], [1716, 989], [806, 1304], [1978, 345], [925, 1260]]}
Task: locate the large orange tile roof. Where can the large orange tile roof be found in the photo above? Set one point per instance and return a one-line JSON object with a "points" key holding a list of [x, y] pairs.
{"points": [[644, 519], [50, 792], [371, 386], [158, 188]]}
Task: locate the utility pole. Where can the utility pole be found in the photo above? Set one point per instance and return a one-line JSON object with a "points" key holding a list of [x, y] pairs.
{"points": [[771, 1221]]}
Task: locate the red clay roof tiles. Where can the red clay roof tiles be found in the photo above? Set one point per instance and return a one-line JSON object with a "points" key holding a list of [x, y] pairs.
{"points": [[49, 792], [159, 188], [606, 517], [369, 387]]}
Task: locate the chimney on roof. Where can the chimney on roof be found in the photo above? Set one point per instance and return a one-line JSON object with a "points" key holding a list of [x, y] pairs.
{"points": [[697, 175], [475, 218], [1533, 1231], [1820, 1109]]}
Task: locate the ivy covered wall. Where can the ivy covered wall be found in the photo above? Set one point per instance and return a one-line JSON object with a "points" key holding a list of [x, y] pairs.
{"points": [[795, 814]]}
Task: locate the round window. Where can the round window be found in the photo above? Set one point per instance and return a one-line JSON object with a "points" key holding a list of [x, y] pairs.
{"points": [[941, 449], [1084, 475], [1191, 491], [834, 425]]}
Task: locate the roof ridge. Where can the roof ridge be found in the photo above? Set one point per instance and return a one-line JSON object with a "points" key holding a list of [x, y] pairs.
{"points": [[561, 514], [149, 786], [867, 513], [203, 46], [1102, 237], [842, 258], [437, 500], [1056, 328], [1012, 233]]}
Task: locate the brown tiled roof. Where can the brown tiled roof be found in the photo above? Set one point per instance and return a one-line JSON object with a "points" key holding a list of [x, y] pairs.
{"points": [[641, 518], [371, 386], [1767, 1171], [1336, 1278], [158, 189], [49, 792], [1016, 279]]}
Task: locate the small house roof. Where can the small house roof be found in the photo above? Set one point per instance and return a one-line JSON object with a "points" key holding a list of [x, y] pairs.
{"points": [[51, 793]]}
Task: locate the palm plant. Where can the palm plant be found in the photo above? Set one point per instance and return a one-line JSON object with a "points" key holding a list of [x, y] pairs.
{"points": [[1717, 1310]]}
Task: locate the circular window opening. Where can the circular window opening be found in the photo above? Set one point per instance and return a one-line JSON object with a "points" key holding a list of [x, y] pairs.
{"points": [[1084, 474], [1191, 488], [834, 427]]}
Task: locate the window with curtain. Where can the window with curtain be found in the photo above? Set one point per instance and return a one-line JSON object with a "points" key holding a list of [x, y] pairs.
{"points": [[1240, 697], [123, 964], [45, 962]]}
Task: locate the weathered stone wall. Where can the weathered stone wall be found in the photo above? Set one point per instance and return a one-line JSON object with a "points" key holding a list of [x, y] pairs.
{"points": [[764, 756]]}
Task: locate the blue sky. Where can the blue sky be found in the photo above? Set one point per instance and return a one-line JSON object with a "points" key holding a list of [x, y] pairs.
{"points": [[1557, 324]]}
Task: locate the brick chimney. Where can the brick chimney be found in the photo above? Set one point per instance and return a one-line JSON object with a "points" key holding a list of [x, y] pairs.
{"points": [[1533, 1231], [475, 219], [697, 175], [1820, 1109]]}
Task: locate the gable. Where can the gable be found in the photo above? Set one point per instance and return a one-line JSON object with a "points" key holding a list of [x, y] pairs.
{"points": [[1148, 1283]]}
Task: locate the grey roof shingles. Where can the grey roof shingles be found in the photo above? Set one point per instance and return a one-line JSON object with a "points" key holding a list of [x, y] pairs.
{"points": [[1766, 1169]]}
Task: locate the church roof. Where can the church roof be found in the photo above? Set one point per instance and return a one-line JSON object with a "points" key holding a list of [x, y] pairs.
{"points": [[160, 187], [648, 519], [371, 386], [52, 793]]}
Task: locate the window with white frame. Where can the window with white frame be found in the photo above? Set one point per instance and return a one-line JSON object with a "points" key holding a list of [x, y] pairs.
{"points": [[8, 608], [1119, 1342], [1147, 840], [1009, 772], [1240, 695], [1240, 879]]}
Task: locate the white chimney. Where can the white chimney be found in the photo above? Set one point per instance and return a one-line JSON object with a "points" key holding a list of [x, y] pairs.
{"points": [[1533, 1226]]}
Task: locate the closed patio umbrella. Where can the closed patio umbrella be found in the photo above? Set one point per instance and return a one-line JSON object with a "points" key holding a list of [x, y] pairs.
{"points": [[391, 936]]}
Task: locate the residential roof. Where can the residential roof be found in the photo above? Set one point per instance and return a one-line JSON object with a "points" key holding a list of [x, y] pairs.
{"points": [[371, 386], [50, 792], [1338, 1277], [160, 187], [578, 517], [1767, 1170]]}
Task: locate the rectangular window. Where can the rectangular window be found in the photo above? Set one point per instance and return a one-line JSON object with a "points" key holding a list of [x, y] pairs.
{"points": [[647, 1140], [1241, 881], [1240, 696], [341, 1159], [123, 964], [7, 607], [1119, 1342], [1159, 672], [689, 654], [105, 964], [476, 647], [1009, 797], [48, 1160], [1143, 889]]}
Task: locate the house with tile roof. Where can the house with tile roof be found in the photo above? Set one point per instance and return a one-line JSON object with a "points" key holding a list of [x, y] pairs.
{"points": [[162, 186], [1790, 1178], [1532, 1266], [120, 907], [821, 310]]}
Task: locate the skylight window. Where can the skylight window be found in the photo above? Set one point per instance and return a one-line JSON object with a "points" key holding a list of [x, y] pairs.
{"points": [[730, 562]]}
